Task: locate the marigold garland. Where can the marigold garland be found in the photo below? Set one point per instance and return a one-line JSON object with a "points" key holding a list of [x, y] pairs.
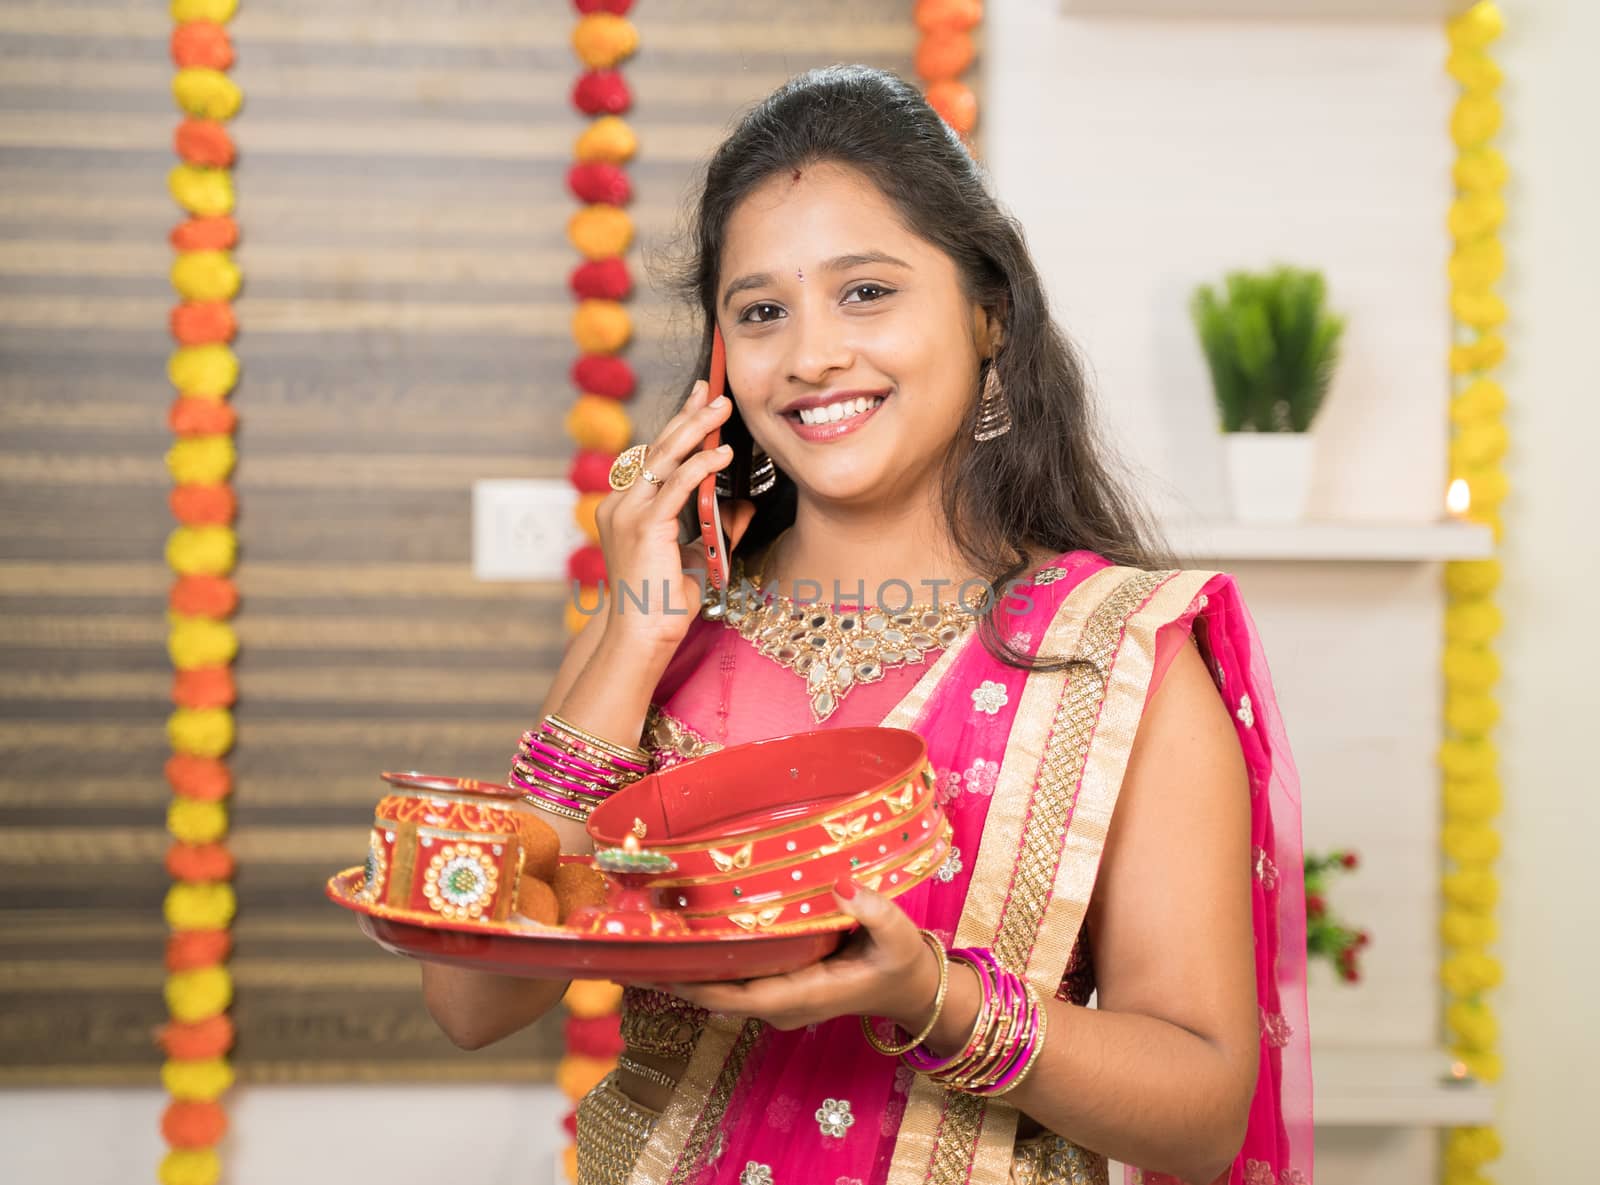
{"points": [[201, 551], [1467, 758], [943, 54], [601, 231]]}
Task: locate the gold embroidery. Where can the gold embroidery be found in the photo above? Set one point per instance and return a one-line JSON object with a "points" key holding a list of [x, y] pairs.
{"points": [[833, 649], [669, 740], [696, 1148], [612, 1130], [654, 1022], [1049, 1159], [1266, 870], [1275, 1029]]}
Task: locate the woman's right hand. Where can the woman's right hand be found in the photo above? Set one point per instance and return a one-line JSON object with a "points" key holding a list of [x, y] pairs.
{"points": [[639, 531]]}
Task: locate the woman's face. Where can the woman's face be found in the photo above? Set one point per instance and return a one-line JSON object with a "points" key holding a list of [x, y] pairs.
{"points": [[828, 304]]}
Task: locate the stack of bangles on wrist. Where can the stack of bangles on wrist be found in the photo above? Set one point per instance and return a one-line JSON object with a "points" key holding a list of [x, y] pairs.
{"points": [[568, 771], [1006, 1039]]}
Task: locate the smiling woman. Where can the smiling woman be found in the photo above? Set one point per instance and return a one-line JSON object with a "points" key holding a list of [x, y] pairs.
{"points": [[917, 420]]}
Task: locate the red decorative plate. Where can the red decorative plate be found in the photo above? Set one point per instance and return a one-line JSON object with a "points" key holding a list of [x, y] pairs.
{"points": [[540, 952]]}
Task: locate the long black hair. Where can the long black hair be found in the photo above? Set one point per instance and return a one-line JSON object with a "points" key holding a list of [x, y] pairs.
{"points": [[1047, 482]]}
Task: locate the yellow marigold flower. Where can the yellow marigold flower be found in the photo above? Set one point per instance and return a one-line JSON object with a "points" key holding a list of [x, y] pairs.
{"points": [[196, 822], [607, 139], [204, 732], [200, 642], [198, 994], [602, 39], [589, 998], [583, 513], [201, 460], [1469, 972], [201, 190], [1472, 843], [1473, 215], [1478, 445], [1484, 354], [1472, 623], [601, 326], [1473, 1024], [1470, 668], [1472, 800], [1489, 486], [577, 1075], [202, 551], [199, 905], [1467, 928], [1480, 169], [1468, 760], [1476, 28], [206, 93], [1474, 70], [1484, 1066], [600, 232], [598, 423], [1470, 715], [197, 1081], [1470, 1147], [1478, 263], [209, 371], [1471, 888], [218, 11], [1475, 120], [190, 1166], [1480, 309], [205, 275], [1481, 399]]}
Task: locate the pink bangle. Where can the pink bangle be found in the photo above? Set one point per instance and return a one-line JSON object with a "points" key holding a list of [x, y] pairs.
{"points": [[547, 794], [554, 756], [535, 766]]}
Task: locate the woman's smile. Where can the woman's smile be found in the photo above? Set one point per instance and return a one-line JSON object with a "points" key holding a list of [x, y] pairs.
{"points": [[821, 422]]}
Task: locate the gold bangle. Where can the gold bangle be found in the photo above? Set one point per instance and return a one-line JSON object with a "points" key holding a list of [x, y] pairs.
{"points": [[943, 958], [627, 753], [555, 808]]}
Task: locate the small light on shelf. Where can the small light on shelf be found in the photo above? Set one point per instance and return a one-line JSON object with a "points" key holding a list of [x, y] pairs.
{"points": [[1458, 498], [1458, 1075]]}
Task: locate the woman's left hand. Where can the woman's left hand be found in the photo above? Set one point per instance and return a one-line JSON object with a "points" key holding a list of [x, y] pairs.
{"points": [[884, 969]]}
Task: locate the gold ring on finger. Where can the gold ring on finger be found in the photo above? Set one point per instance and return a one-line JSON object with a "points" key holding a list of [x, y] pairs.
{"points": [[651, 477], [625, 469]]}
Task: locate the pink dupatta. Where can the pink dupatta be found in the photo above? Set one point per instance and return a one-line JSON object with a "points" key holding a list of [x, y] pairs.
{"points": [[763, 1107]]}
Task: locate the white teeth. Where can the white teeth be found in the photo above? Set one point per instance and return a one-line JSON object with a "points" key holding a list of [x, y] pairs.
{"points": [[838, 411]]}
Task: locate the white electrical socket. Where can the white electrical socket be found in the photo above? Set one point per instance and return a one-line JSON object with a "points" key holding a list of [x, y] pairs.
{"points": [[523, 530]]}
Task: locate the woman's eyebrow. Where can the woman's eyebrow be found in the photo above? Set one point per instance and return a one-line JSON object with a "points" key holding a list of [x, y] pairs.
{"points": [[838, 263]]}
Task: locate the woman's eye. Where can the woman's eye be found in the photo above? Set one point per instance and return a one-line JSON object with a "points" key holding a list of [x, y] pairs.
{"points": [[878, 288], [752, 309]]}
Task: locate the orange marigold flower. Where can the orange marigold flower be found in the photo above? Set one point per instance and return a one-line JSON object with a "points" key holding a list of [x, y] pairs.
{"points": [[199, 862], [191, 415], [219, 233], [944, 53], [201, 43], [200, 322], [204, 596], [198, 1041], [203, 687], [204, 142], [955, 103], [200, 505], [947, 14], [188, 949], [193, 1125], [205, 778]]}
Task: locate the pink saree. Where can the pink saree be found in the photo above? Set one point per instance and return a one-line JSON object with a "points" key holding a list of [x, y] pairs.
{"points": [[1029, 769]]}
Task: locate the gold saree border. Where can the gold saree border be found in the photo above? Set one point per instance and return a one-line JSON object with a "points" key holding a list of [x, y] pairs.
{"points": [[679, 1143], [941, 1129]]}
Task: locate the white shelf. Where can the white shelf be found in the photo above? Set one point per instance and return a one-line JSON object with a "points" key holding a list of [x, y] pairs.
{"points": [[1389, 11], [1327, 542], [1354, 1087]]}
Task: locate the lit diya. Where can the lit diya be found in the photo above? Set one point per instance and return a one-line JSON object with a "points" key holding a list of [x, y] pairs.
{"points": [[760, 833]]}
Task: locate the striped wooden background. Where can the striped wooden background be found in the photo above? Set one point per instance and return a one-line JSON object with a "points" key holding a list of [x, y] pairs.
{"points": [[404, 331]]}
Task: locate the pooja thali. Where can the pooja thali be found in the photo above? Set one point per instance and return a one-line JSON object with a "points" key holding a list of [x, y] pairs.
{"points": [[716, 869]]}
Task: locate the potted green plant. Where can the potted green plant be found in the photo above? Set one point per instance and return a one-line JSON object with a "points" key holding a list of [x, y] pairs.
{"points": [[1271, 345]]}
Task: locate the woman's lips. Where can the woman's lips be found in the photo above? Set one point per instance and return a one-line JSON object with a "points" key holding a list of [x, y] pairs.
{"points": [[833, 430]]}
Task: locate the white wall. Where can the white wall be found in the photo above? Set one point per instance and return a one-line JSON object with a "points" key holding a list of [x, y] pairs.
{"points": [[1550, 914]]}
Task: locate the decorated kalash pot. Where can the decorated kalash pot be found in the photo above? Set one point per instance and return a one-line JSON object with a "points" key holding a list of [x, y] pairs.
{"points": [[760, 833], [462, 851]]}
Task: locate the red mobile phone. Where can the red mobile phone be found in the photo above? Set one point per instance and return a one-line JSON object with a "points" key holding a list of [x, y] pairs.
{"points": [[711, 537]]}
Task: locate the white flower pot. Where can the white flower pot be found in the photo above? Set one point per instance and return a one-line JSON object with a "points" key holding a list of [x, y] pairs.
{"points": [[1269, 475]]}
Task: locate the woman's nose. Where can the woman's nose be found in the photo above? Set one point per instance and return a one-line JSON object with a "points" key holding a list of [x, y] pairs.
{"points": [[819, 346]]}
